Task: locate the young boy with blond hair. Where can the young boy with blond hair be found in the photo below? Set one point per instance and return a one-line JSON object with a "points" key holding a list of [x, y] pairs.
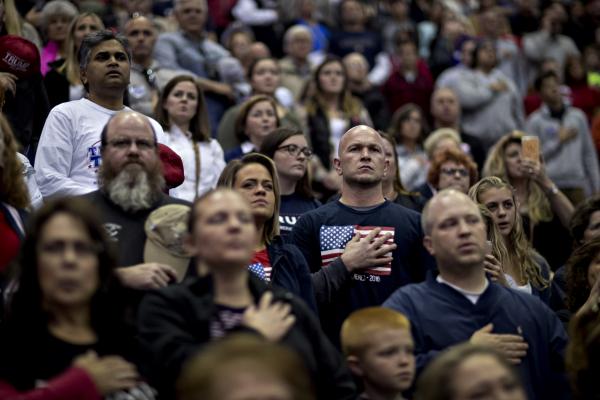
{"points": [[379, 348]]}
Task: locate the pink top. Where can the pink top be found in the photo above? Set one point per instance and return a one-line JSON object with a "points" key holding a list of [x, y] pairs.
{"points": [[49, 54]]}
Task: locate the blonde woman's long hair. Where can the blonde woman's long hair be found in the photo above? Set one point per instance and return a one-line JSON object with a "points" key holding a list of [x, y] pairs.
{"points": [[499, 250], [517, 245], [13, 23], [538, 206], [71, 66]]}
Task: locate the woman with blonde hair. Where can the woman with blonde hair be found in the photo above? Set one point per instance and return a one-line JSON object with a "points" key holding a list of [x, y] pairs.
{"points": [[512, 262], [546, 211], [62, 80]]}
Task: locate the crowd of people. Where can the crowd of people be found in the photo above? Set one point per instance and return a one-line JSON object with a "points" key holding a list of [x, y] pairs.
{"points": [[298, 200]]}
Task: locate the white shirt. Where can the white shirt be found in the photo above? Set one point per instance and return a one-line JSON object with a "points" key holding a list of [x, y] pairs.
{"points": [[526, 288], [473, 297], [68, 154], [212, 163]]}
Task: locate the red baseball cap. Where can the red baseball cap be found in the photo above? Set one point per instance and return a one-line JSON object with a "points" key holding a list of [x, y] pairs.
{"points": [[172, 167], [18, 56]]}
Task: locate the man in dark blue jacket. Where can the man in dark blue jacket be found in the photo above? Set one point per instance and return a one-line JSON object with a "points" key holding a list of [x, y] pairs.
{"points": [[361, 247], [461, 304]]}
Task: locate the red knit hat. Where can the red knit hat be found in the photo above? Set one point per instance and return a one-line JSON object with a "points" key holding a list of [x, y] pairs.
{"points": [[18, 56], [172, 167]]}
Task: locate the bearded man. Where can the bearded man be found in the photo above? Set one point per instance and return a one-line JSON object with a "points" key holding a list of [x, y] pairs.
{"points": [[131, 187]]}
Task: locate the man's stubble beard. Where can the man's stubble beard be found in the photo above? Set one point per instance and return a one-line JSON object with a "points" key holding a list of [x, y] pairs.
{"points": [[133, 188]]}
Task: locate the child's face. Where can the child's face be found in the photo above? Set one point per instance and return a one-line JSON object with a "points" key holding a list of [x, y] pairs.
{"points": [[389, 361]]}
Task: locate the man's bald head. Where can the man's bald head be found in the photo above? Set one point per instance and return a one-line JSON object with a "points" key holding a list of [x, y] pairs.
{"points": [[442, 200], [123, 119], [361, 160], [359, 129]]}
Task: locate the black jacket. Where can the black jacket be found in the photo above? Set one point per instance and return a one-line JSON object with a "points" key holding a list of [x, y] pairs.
{"points": [[174, 323], [290, 271]]}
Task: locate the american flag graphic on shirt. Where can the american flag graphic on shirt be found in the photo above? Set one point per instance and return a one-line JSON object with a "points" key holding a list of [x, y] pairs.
{"points": [[333, 241]]}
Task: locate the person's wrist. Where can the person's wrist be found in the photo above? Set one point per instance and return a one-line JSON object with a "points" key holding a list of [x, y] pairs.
{"points": [[551, 189]]}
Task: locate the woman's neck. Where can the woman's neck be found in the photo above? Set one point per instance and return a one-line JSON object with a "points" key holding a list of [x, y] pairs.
{"points": [[72, 325], [260, 228], [231, 287], [286, 186], [331, 101], [255, 142], [521, 190], [183, 126], [410, 145]]}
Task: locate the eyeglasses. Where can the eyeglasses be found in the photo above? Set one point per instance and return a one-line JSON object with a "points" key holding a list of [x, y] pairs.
{"points": [[80, 248], [124, 144], [453, 171], [295, 150]]}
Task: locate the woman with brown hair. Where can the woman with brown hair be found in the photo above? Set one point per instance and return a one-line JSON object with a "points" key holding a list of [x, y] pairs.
{"points": [[330, 111], [255, 177], [264, 76], [14, 196], [181, 110], [546, 211], [289, 150], [467, 372], [513, 262], [409, 129], [583, 277], [257, 118], [66, 334]]}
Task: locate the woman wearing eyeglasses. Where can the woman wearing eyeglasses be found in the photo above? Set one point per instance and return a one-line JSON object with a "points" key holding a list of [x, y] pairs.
{"points": [[454, 169], [289, 149]]}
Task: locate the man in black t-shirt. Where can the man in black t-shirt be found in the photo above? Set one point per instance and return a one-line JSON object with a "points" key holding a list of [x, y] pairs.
{"points": [[131, 184], [361, 247]]}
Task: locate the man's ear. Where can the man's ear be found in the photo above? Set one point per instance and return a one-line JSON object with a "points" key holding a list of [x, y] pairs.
{"points": [[386, 167], [338, 166], [428, 245], [354, 365]]}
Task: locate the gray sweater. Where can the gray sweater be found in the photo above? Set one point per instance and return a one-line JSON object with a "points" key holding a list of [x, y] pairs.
{"points": [[571, 164], [488, 115]]}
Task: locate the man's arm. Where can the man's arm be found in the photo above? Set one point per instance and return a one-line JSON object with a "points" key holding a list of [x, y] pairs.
{"points": [[165, 52], [146, 276], [53, 160], [326, 281]]}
